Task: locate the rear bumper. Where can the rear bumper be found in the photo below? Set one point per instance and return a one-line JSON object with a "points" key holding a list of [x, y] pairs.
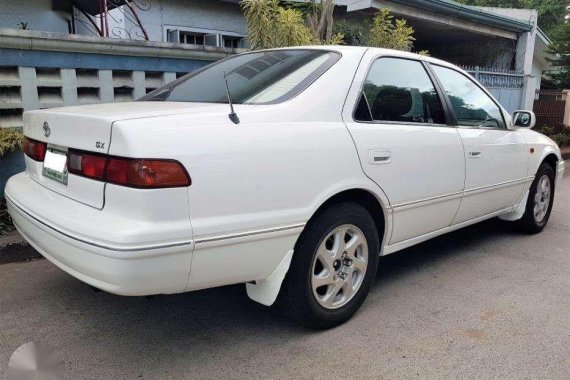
{"points": [[125, 269]]}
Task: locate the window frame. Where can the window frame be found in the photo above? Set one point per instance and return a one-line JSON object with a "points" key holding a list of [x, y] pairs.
{"points": [[449, 116], [478, 85], [220, 34]]}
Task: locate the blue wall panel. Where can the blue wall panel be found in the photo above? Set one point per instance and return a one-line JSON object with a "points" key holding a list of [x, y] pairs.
{"points": [[66, 60]]}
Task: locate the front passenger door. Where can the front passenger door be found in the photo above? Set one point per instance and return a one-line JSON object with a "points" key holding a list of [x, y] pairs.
{"points": [[399, 125], [496, 158]]}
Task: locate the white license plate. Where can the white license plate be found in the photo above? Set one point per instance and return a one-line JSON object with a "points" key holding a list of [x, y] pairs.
{"points": [[55, 164]]}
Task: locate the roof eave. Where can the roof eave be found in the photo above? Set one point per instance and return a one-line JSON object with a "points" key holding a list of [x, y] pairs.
{"points": [[452, 8]]}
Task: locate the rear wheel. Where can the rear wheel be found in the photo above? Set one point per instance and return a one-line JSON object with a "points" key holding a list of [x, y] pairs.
{"points": [[539, 202], [333, 267]]}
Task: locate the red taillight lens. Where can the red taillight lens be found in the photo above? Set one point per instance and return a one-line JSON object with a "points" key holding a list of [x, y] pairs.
{"points": [[87, 165], [139, 173], [34, 149], [146, 173]]}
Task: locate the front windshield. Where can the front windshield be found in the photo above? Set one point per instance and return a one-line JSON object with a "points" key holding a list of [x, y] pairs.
{"points": [[254, 78]]}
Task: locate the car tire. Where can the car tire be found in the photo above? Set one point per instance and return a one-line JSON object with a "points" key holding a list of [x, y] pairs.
{"points": [[333, 267], [539, 202]]}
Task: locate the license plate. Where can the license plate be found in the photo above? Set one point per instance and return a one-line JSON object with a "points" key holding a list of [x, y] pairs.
{"points": [[55, 164]]}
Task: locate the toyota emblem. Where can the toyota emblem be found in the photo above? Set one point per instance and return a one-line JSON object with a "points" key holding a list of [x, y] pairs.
{"points": [[47, 129]]}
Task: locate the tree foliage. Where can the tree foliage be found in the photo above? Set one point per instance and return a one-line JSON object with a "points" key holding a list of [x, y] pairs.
{"points": [[389, 33], [560, 48], [271, 25], [550, 12]]}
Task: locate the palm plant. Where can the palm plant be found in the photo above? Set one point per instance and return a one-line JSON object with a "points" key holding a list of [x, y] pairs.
{"points": [[391, 34], [271, 25], [290, 30], [261, 17]]}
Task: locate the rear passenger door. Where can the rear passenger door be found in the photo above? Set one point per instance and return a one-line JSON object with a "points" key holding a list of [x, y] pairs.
{"points": [[400, 127], [496, 158]]}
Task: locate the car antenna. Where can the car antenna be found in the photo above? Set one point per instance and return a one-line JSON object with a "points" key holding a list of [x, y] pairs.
{"points": [[233, 116]]}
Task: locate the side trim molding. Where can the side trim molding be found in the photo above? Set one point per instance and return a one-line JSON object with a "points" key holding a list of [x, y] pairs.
{"points": [[248, 233], [459, 194], [501, 185], [426, 201]]}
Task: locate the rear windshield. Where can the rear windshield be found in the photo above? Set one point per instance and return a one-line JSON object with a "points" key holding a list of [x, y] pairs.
{"points": [[254, 78]]}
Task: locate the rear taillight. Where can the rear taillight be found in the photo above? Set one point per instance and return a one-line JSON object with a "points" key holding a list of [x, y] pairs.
{"points": [[146, 173], [34, 149], [86, 165], [131, 172]]}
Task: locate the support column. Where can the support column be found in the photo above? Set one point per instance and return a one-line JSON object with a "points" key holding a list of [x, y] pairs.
{"points": [[69, 87], [566, 120], [29, 88], [106, 94], [169, 77], [524, 58], [139, 84]]}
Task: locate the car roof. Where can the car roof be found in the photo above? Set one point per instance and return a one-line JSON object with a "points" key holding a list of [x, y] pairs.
{"points": [[380, 51]]}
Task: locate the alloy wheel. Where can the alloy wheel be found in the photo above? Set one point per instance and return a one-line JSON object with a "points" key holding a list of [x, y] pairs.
{"points": [[542, 198], [339, 266]]}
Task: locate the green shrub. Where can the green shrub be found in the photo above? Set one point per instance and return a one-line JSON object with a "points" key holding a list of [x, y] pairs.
{"points": [[559, 133], [561, 139], [11, 139]]}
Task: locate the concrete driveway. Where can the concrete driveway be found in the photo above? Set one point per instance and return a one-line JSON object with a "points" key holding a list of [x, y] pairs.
{"points": [[483, 302]]}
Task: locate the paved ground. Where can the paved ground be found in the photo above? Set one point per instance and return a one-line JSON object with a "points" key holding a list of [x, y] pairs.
{"points": [[484, 302]]}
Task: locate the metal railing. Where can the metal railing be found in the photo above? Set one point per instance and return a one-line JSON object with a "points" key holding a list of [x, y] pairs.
{"points": [[496, 77]]}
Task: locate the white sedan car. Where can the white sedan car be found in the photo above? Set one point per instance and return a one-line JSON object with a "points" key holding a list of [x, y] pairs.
{"points": [[289, 170]]}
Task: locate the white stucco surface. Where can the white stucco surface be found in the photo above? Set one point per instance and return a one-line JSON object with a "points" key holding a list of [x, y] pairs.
{"points": [[37, 13], [211, 15]]}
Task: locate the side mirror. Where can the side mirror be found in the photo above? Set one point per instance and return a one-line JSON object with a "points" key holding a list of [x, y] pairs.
{"points": [[524, 119]]}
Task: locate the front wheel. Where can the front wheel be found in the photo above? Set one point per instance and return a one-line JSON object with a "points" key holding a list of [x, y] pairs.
{"points": [[333, 267], [539, 202]]}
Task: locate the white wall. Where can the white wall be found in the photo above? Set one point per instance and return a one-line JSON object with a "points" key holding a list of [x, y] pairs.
{"points": [[211, 14], [536, 73], [201, 14], [37, 13]]}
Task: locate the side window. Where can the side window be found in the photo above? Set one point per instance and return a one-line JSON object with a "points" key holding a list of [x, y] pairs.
{"points": [[399, 90], [472, 106]]}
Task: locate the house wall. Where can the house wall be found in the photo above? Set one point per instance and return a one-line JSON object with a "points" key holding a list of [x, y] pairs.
{"points": [[217, 15], [37, 13], [211, 14]]}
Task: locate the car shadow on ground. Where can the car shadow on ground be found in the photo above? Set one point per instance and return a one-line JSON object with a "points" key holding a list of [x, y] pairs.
{"points": [[206, 324], [228, 308], [441, 248]]}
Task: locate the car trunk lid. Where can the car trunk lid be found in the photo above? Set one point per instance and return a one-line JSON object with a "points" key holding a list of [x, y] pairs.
{"points": [[87, 128]]}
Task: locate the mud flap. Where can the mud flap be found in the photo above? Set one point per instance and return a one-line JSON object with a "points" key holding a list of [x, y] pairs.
{"points": [[265, 291]]}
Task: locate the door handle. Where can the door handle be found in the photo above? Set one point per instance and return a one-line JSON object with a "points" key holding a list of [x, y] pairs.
{"points": [[378, 157], [474, 154]]}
